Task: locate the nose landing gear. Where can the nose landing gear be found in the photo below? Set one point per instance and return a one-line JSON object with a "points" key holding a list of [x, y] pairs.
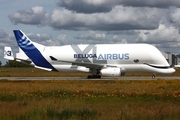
{"points": [[153, 76]]}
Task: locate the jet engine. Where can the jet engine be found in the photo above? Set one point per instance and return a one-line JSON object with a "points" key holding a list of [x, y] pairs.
{"points": [[113, 71]]}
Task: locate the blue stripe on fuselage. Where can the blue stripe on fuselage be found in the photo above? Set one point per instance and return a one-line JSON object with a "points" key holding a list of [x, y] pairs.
{"points": [[31, 51]]}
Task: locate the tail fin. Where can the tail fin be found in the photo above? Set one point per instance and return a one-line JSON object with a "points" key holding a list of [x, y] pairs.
{"points": [[8, 54], [25, 43], [32, 49]]}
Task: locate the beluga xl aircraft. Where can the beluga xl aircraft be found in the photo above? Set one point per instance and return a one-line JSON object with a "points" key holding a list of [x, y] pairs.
{"points": [[97, 59]]}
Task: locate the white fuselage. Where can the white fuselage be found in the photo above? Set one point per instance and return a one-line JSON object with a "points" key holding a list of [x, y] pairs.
{"points": [[131, 57]]}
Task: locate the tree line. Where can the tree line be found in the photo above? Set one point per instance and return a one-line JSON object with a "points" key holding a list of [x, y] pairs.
{"points": [[15, 64]]}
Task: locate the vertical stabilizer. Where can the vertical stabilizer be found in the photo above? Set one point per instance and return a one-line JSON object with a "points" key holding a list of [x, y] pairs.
{"points": [[33, 50], [8, 54]]}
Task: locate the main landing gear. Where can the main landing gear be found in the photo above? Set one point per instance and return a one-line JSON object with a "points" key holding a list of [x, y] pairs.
{"points": [[153, 76], [95, 74]]}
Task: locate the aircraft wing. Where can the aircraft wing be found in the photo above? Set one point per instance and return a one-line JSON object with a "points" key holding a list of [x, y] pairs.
{"points": [[84, 64]]}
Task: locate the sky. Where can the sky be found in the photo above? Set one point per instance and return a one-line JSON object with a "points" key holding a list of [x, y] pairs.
{"points": [[62, 22]]}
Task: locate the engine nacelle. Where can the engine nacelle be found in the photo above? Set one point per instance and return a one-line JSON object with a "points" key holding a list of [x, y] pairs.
{"points": [[113, 71]]}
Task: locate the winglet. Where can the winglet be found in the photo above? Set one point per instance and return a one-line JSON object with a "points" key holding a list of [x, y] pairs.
{"points": [[8, 54]]}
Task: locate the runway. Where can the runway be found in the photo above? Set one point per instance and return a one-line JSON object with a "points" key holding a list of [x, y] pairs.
{"points": [[84, 78]]}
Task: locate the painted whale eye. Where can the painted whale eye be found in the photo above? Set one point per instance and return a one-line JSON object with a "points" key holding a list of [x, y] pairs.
{"points": [[136, 60]]}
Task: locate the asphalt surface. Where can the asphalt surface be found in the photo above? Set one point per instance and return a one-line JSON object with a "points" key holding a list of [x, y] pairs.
{"points": [[84, 78]]}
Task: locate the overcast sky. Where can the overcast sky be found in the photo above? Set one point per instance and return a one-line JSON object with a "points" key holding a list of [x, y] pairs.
{"points": [[60, 22]]}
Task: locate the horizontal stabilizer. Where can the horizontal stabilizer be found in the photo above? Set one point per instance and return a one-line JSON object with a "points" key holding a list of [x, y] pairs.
{"points": [[22, 56], [177, 66], [43, 68]]}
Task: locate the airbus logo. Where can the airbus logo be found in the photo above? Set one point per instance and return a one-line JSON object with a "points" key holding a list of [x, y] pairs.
{"points": [[123, 56]]}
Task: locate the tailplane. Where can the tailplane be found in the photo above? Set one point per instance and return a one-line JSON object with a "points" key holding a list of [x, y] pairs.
{"points": [[23, 58], [8, 54]]}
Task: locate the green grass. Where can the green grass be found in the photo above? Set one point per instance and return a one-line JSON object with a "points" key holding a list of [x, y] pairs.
{"points": [[87, 100], [54, 114], [67, 113], [82, 100]]}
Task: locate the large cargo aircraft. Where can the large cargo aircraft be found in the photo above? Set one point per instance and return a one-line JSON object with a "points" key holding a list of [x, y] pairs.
{"points": [[97, 59]]}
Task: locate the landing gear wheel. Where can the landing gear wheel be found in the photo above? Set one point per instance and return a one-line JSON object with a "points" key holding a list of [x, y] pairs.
{"points": [[98, 76], [93, 76], [153, 76], [89, 77]]}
